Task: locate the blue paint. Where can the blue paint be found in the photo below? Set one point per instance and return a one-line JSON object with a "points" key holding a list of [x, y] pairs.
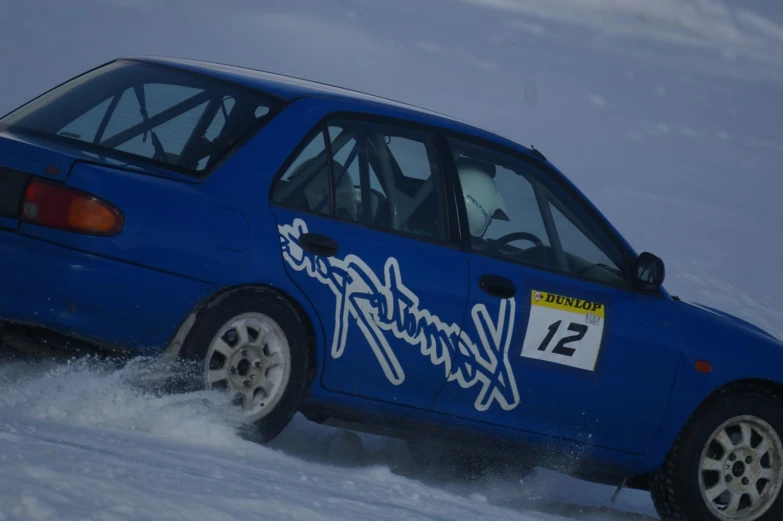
{"points": [[370, 352], [404, 336], [617, 406], [229, 229], [738, 351], [385, 304], [93, 296]]}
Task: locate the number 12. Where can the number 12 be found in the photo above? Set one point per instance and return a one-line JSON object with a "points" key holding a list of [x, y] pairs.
{"points": [[560, 348]]}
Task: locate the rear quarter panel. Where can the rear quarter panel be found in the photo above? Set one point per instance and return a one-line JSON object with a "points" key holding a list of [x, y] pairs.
{"points": [[169, 225], [218, 232]]}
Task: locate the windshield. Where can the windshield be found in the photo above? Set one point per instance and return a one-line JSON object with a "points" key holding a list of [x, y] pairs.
{"points": [[174, 118]]}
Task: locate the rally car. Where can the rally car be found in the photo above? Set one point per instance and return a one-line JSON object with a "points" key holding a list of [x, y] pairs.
{"points": [[369, 263]]}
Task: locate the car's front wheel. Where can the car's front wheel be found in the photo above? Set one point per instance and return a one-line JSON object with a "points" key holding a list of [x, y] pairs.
{"points": [[727, 463], [253, 345]]}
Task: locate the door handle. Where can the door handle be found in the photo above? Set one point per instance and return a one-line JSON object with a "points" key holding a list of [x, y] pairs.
{"points": [[316, 244], [497, 286]]}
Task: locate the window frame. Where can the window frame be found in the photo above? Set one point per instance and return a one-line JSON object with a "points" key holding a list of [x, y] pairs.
{"points": [[458, 234], [451, 229], [275, 103], [552, 178]]}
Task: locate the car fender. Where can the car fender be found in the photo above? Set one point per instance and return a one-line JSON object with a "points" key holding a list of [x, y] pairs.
{"points": [[285, 289], [737, 352]]}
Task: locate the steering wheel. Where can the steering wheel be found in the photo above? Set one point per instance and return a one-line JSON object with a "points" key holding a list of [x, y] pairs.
{"points": [[515, 236]]}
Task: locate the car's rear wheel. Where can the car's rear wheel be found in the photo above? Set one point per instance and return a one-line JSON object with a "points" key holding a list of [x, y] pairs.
{"points": [[253, 346], [727, 463]]}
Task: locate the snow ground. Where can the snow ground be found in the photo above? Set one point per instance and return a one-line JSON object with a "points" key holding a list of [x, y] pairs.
{"points": [[81, 440]]}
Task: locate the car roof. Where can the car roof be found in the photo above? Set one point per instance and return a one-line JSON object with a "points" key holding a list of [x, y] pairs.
{"points": [[289, 88]]}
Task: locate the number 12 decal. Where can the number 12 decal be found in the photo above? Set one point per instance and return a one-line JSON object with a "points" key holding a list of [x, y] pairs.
{"points": [[560, 348], [564, 330]]}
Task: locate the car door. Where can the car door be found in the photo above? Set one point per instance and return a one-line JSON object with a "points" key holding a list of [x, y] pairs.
{"points": [[365, 236], [587, 358]]}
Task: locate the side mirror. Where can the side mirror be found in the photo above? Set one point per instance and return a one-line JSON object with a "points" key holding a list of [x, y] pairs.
{"points": [[649, 272]]}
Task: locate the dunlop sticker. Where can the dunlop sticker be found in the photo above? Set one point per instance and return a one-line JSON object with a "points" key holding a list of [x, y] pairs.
{"points": [[564, 330]]}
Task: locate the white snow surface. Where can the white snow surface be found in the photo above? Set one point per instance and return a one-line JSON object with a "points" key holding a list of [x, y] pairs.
{"points": [[81, 440]]}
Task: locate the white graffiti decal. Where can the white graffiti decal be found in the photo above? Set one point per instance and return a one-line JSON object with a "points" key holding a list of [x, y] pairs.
{"points": [[379, 306]]}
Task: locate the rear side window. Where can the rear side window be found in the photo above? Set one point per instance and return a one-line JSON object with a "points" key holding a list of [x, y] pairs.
{"points": [[150, 112], [376, 174]]}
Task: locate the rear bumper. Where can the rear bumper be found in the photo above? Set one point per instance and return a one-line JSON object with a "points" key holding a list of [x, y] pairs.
{"points": [[93, 297]]}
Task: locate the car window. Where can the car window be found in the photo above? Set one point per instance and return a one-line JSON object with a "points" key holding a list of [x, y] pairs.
{"points": [[348, 177], [584, 255], [382, 176], [503, 213], [85, 127], [305, 184], [172, 134], [148, 112], [515, 212]]}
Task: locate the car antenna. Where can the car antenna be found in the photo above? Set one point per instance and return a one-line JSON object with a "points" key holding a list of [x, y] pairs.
{"points": [[537, 153]]}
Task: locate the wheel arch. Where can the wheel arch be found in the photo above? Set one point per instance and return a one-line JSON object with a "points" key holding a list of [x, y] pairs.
{"points": [[770, 387], [307, 317], [657, 455]]}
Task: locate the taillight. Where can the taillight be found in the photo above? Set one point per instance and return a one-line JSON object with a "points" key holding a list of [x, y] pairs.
{"points": [[57, 206]]}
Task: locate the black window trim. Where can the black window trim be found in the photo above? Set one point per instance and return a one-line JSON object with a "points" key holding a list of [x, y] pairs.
{"points": [[451, 229], [275, 103]]}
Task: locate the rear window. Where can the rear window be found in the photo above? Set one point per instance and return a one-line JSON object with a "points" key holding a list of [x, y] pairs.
{"points": [[173, 118]]}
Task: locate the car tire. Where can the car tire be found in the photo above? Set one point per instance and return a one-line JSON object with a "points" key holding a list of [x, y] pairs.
{"points": [[703, 479], [267, 375]]}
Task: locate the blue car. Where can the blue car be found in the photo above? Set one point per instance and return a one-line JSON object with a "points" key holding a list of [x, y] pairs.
{"points": [[375, 265]]}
